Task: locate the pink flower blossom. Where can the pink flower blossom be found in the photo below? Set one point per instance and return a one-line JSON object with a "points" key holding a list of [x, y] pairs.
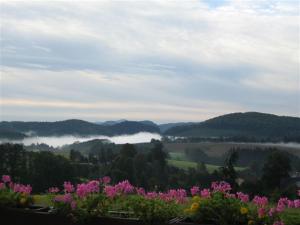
{"points": [[260, 201], [68, 187], [195, 190], [178, 195], [282, 203], [20, 188], [124, 187], [297, 203], [85, 189], [205, 193], [53, 190], [110, 191], [151, 195], [229, 195], [221, 186], [243, 197], [66, 198], [278, 223], [140, 191], [106, 180], [6, 178], [272, 211], [261, 212]]}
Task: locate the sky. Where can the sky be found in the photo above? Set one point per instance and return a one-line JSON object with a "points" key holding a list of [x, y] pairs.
{"points": [[164, 61]]}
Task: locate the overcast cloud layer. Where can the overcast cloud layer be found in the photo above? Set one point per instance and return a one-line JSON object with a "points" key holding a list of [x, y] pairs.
{"points": [[158, 60]]}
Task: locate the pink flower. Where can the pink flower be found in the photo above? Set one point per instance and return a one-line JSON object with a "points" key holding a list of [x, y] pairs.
{"points": [[20, 188], [66, 198], [260, 201], [83, 189], [243, 197], [151, 195], [229, 195], [53, 190], [106, 180], [297, 203], [272, 211], [68, 187], [221, 186], [195, 190], [110, 191], [261, 212], [124, 187], [140, 191], [6, 178], [205, 193], [282, 203], [178, 195]]}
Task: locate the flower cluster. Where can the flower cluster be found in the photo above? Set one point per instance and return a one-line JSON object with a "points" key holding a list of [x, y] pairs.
{"points": [[195, 190], [243, 197], [14, 194], [53, 190], [68, 187], [123, 187], [96, 196], [23, 189], [15, 187], [260, 201], [84, 190], [204, 202], [221, 186]]}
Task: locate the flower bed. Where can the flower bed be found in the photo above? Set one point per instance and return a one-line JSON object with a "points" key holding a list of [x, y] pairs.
{"points": [[98, 202]]}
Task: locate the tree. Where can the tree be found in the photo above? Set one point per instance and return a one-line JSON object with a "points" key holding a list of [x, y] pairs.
{"points": [[276, 168], [128, 150], [228, 172]]}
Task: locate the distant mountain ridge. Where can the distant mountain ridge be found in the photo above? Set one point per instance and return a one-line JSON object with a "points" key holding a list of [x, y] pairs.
{"points": [[251, 124], [114, 122], [166, 126], [76, 127]]}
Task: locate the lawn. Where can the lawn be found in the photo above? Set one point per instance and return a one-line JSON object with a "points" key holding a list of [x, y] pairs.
{"points": [[291, 217]]}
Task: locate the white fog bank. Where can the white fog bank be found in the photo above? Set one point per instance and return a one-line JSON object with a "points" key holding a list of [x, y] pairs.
{"points": [[142, 137]]}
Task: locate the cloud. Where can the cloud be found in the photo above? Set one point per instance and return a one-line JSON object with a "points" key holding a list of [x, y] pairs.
{"points": [[237, 55]]}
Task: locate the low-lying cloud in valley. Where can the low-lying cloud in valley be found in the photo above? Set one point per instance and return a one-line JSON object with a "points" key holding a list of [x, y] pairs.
{"points": [[54, 141]]}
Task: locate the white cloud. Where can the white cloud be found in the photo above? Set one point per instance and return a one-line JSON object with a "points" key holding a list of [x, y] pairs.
{"points": [[160, 52]]}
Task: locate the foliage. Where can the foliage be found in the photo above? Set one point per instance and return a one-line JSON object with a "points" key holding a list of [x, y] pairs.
{"points": [[275, 169], [153, 210]]}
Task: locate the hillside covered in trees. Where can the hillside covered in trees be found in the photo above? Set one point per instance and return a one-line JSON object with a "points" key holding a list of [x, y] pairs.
{"points": [[251, 124], [74, 127]]}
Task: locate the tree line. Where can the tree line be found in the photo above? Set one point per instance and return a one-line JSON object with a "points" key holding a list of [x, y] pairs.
{"points": [[144, 167]]}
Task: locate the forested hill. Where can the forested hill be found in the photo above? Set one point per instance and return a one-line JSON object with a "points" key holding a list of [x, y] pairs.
{"points": [[76, 127], [251, 124]]}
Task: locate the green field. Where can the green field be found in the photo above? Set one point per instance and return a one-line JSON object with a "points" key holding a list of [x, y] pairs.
{"points": [[291, 217], [218, 149], [188, 164]]}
